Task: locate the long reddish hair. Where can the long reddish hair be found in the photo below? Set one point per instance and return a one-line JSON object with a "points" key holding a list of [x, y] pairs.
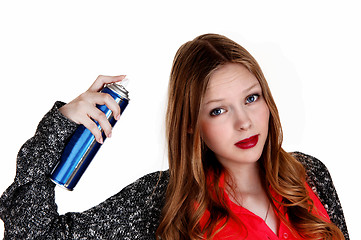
{"points": [[187, 197]]}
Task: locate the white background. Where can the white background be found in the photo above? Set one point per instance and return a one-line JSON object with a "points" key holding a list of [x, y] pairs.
{"points": [[53, 50]]}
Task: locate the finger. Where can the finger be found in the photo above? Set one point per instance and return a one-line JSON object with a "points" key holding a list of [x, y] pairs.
{"points": [[100, 117], [104, 99], [102, 80], [93, 128], [111, 104]]}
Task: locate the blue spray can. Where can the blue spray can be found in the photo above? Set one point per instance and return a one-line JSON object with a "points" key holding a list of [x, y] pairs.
{"points": [[82, 147]]}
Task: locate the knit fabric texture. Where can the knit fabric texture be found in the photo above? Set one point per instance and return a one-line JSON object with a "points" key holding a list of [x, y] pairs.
{"points": [[29, 211]]}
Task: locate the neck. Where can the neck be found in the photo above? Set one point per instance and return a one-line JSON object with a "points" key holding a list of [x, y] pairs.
{"points": [[246, 179]]}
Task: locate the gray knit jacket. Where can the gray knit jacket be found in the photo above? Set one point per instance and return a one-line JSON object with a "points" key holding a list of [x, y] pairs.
{"points": [[29, 211]]}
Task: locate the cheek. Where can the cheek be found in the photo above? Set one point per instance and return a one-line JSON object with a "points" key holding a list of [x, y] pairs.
{"points": [[263, 116], [260, 117], [206, 131], [210, 134]]}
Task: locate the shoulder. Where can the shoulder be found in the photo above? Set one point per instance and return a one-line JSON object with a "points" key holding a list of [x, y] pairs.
{"points": [[317, 175], [136, 208], [145, 196], [152, 184], [312, 165], [319, 179]]}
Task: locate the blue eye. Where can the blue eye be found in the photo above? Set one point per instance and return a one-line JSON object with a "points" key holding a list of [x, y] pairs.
{"points": [[217, 111], [252, 98]]}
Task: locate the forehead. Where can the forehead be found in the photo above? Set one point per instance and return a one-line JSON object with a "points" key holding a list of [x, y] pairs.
{"points": [[232, 76]]}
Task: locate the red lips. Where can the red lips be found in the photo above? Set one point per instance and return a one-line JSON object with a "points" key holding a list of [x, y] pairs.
{"points": [[248, 142]]}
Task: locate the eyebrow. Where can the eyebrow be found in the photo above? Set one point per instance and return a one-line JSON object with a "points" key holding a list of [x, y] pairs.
{"points": [[214, 100], [246, 90], [252, 86]]}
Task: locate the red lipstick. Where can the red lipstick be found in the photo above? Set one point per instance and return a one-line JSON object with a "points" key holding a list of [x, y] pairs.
{"points": [[248, 142]]}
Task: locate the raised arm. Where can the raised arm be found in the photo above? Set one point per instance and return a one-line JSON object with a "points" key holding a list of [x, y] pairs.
{"points": [[28, 206]]}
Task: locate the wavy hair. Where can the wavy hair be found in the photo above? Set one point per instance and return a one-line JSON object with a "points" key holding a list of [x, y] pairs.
{"points": [[187, 197]]}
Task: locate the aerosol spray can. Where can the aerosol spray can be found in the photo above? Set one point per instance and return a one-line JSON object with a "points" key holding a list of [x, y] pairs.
{"points": [[82, 147]]}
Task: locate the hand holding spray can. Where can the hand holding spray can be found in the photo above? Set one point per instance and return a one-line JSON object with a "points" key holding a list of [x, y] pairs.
{"points": [[82, 147]]}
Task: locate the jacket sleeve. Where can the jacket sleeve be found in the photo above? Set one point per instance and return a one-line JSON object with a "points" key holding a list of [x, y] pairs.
{"points": [[319, 179], [28, 206]]}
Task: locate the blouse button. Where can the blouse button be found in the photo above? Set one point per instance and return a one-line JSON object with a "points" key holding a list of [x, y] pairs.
{"points": [[285, 235]]}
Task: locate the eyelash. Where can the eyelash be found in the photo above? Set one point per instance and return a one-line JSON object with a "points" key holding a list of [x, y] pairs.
{"points": [[213, 114], [248, 101], [256, 96]]}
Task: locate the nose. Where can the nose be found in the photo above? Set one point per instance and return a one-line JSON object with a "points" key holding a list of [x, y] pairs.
{"points": [[242, 120]]}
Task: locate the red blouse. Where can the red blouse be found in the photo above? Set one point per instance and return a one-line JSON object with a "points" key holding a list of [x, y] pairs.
{"points": [[256, 226]]}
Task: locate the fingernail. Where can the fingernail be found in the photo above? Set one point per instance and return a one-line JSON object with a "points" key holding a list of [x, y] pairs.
{"points": [[117, 117], [101, 141], [110, 135]]}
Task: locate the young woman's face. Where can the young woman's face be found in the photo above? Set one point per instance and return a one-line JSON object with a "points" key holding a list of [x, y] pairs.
{"points": [[234, 116]]}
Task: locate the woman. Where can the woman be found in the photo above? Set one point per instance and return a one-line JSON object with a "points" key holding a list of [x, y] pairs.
{"points": [[228, 176]]}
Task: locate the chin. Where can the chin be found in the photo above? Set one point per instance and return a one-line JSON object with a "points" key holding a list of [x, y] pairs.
{"points": [[246, 157], [252, 157]]}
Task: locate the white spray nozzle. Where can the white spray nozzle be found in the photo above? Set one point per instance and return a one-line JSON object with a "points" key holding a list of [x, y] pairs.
{"points": [[125, 82]]}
